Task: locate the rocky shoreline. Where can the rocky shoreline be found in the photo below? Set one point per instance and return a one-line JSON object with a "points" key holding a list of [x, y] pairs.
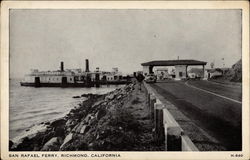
{"points": [[101, 123]]}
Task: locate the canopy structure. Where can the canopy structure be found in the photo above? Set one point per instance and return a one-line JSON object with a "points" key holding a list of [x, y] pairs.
{"points": [[173, 63], [180, 66]]}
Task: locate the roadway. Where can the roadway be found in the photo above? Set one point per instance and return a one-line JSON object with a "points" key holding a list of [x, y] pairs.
{"points": [[215, 108]]}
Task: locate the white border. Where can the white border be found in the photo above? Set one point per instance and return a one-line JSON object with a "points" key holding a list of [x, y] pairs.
{"points": [[244, 5]]}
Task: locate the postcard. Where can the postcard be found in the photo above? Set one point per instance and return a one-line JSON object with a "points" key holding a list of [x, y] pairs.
{"points": [[124, 80]]}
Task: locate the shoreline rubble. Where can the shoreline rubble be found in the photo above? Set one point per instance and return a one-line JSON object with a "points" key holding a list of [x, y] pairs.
{"points": [[100, 123]]}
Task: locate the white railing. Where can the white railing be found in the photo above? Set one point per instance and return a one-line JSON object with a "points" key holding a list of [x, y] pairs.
{"points": [[167, 129]]}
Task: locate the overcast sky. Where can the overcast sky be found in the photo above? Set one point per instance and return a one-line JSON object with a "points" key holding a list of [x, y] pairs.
{"points": [[40, 39]]}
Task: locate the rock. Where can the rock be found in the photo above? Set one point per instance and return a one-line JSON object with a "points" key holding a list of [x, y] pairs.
{"points": [[67, 139], [68, 130], [52, 145], [58, 122], [110, 97], [59, 131], [90, 95], [105, 103], [100, 114], [84, 129], [74, 110], [25, 144], [36, 148], [75, 128], [123, 92], [92, 121], [97, 137], [88, 117], [86, 95], [48, 127], [119, 97], [128, 88], [70, 123], [10, 144], [76, 97], [89, 122], [78, 127], [91, 147], [98, 103]]}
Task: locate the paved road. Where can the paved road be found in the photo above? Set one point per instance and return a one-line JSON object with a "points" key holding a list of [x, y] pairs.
{"points": [[230, 91], [218, 116]]}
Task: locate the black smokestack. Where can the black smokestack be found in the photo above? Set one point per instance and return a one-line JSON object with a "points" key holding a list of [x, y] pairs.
{"points": [[62, 67], [87, 65]]}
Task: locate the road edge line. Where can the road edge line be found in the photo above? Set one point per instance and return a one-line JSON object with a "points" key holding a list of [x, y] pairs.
{"points": [[189, 85]]}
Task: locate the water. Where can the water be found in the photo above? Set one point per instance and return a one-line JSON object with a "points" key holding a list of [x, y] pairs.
{"points": [[30, 106]]}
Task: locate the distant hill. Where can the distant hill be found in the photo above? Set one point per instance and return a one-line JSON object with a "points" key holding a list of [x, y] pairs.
{"points": [[237, 67], [233, 74]]}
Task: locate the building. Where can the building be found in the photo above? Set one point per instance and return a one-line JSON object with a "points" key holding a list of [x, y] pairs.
{"points": [[115, 70], [162, 73], [192, 75], [196, 73], [217, 72], [180, 67]]}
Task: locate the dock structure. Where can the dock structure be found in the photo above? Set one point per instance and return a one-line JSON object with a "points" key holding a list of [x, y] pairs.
{"points": [[180, 67]]}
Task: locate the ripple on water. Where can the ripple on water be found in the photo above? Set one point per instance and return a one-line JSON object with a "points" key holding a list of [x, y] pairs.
{"points": [[29, 106]]}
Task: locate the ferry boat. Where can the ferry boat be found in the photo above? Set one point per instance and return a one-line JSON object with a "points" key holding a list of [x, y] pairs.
{"points": [[74, 78]]}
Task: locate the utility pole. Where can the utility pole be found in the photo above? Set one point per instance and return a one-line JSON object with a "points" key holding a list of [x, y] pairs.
{"points": [[223, 65], [223, 62]]}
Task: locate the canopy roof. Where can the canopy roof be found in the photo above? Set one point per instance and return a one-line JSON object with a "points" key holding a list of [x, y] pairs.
{"points": [[173, 62]]}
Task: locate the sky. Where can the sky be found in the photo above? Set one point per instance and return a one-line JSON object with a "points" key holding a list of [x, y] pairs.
{"points": [[41, 38]]}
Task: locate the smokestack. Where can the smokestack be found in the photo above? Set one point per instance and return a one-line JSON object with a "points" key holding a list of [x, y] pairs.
{"points": [[87, 65], [62, 67]]}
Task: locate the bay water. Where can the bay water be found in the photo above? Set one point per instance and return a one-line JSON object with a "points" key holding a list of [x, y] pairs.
{"points": [[29, 106]]}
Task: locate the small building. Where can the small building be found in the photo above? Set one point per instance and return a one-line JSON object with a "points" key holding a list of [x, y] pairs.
{"points": [[217, 72], [162, 73], [192, 75], [196, 73], [111, 76], [115, 70]]}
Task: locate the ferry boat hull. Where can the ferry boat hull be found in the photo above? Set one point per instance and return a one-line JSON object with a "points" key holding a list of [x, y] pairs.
{"points": [[76, 85], [73, 78]]}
